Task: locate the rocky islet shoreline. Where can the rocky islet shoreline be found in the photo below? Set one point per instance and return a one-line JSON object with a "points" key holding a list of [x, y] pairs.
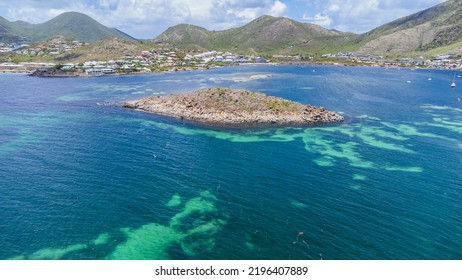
{"points": [[234, 107]]}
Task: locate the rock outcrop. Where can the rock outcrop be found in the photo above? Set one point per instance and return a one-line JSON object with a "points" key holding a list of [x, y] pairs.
{"points": [[234, 107], [53, 72]]}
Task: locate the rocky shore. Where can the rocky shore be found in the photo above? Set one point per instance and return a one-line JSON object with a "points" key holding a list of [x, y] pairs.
{"points": [[53, 72], [234, 107]]}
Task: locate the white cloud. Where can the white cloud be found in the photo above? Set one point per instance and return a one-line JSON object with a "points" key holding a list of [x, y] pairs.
{"points": [[319, 19], [198, 9], [245, 13], [362, 15], [108, 4], [33, 15], [352, 8], [333, 8], [278, 9]]}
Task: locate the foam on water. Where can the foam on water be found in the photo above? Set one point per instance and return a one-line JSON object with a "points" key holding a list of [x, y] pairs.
{"points": [[52, 253], [121, 91], [71, 98], [29, 128], [102, 239], [332, 151], [318, 141], [201, 206], [409, 130], [150, 241], [175, 201], [250, 246], [413, 169], [193, 229], [297, 204], [359, 177], [441, 108], [368, 117], [240, 78]]}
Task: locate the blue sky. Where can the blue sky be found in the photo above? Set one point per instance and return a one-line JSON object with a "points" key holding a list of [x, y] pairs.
{"points": [[145, 19]]}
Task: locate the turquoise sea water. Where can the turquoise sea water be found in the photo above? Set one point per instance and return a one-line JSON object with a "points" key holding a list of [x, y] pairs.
{"points": [[83, 178]]}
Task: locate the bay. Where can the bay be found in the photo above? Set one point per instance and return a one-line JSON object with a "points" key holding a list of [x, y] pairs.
{"points": [[83, 178]]}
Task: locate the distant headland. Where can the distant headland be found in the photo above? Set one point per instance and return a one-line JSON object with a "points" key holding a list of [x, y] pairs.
{"points": [[223, 106]]}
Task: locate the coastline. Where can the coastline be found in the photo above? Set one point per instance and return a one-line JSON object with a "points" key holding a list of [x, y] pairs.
{"points": [[80, 73], [293, 63]]}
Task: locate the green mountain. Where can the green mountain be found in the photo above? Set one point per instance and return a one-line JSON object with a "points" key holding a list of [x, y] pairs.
{"points": [[187, 37], [265, 35], [8, 31], [435, 27], [70, 24]]}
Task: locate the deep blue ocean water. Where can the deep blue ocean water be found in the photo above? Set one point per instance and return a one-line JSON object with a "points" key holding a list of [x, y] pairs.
{"points": [[83, 178]]}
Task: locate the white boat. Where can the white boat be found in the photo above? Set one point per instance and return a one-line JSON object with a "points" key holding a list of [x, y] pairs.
{"points": [[453, 85]]}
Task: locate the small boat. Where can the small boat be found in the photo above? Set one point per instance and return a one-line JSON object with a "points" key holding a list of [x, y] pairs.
{"points": [[430, 77], [453, 85]]}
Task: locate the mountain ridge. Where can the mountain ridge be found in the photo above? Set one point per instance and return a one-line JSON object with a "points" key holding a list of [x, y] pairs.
{"points": [[431, 28], [262, 35], [69, 24]]}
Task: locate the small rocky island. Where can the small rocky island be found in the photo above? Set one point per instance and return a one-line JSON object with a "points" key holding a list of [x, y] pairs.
{"points": [[225, 106]]}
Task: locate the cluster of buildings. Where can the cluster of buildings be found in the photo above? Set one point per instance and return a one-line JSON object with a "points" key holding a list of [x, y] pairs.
{"points": [[443, 61], [163, 59], [224, 57], [23, 67], [166, 59], [6, 47], [54, 46], [158, 60], [447, 61]]}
